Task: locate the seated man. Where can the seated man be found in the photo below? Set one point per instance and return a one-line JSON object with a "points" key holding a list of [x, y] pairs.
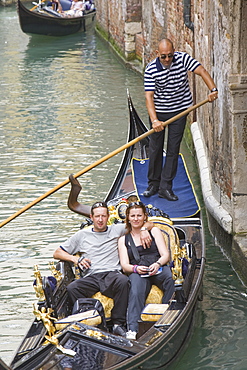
{"points": [[100, 259]]}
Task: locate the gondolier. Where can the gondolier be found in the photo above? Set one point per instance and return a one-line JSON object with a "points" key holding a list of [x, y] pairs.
{"points": [[167, 94]]}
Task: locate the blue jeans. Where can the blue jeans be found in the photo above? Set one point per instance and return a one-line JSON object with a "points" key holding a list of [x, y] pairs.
{"points": [[139, 290]]}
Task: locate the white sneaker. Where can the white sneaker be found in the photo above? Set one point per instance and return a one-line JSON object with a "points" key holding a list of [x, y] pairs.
{"points": [[131, 334]]}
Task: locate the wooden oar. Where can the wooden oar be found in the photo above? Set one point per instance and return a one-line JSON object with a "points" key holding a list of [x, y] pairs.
{"points": [[103, 159], [37, 5]]}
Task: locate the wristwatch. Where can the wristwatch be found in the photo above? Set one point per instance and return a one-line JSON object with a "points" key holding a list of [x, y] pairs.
{"points": [[214, 89], [143, 228]]}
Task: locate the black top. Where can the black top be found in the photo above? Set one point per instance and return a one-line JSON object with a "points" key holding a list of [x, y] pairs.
{"points": [[152, 251]]}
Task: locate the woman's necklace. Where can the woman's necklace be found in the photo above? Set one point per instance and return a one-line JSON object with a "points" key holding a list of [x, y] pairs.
{"points": [[135, 235]]}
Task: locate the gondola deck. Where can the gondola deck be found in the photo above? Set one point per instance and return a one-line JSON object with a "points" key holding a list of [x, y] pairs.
{"points": [[187, 204]]}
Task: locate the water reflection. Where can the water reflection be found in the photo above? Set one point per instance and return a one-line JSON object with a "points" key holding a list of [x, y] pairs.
{"points": [[41, 48], [63, 106], [219, 337]]}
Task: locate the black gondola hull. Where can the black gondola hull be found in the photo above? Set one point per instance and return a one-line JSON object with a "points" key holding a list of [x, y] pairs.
{"points": [[158, 343], [32, 22]]}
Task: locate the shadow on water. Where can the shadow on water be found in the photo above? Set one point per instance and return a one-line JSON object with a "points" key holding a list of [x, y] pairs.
{"points": [[41, 48], [219, 334]]}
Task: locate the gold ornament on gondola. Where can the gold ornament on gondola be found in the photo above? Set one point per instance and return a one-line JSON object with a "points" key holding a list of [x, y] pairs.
{"points": [[177, 269], [118, 212], [38, 286], [47, 319], [113, 215], [173, 243], [57, 274]]}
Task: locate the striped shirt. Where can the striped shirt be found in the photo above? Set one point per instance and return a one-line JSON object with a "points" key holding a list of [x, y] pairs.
{"points": [[170, 85]]}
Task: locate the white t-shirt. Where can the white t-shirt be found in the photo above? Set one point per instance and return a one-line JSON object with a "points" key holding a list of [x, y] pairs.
{"points": [[100, 247]]}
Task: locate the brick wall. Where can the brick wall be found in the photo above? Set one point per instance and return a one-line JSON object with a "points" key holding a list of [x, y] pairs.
{"points": [[133, 10], [139, 46], [213, 46], [102, 14]]}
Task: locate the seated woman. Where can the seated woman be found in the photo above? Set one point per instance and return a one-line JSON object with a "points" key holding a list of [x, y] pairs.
{"points": [[149, 262], [76, 9]]}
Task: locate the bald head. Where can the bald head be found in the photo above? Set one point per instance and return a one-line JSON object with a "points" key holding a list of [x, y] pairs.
{"points": [[165, 43], [165, 52]]}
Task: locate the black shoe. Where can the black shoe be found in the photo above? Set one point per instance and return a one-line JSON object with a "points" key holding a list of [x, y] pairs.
{"points": [[119, 330], [151, 190], [167, 194]]}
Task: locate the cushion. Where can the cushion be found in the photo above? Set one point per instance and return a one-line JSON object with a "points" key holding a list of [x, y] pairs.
{"points": [[91, 317], [153, 311], [107, 303], [155, 296]]}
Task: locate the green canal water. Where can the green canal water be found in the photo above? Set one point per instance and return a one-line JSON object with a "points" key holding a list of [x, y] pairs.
{"points": [[62, 107]]}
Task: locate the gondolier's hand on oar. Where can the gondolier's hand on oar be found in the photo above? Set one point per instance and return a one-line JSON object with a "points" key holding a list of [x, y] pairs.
{"points": [[157, 125], [213, 95]]}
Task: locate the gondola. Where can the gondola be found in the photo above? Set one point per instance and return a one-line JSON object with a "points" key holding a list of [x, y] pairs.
{"points": [[43, 20], [84, 340]]}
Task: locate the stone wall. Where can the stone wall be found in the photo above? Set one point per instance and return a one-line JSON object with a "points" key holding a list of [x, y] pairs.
{"points": [[215, 33], [216, 128], [224, 123]]}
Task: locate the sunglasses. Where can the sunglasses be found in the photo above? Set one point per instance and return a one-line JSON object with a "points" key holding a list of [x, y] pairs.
{"points": [[164, 56], [99, 204], [132, 204]]}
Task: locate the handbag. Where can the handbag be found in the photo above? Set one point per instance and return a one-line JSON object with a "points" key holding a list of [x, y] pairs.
{"points": [[144, 260], [87, 304]]}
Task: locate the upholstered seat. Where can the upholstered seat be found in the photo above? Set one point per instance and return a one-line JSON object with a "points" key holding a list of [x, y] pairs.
{"points": [[155, 296], [65, 4]]}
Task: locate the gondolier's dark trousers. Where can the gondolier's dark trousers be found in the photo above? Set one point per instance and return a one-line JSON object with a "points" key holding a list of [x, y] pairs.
{"points": [[158, 175], [112, 284]]}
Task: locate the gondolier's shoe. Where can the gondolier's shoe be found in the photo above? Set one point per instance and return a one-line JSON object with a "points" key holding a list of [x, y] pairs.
{"points": [[131, 334], [151, 190], [119, 330], [167, 194]]}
